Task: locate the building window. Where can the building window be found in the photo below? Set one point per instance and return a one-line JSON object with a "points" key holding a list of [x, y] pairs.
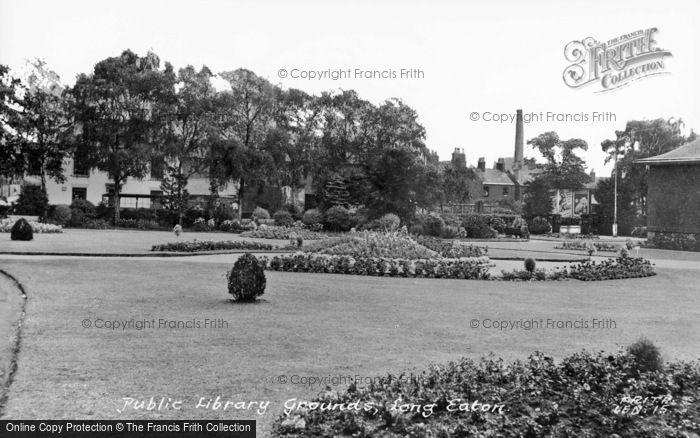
{"points": [[505, 191], [79, 166], [486, 192], [79, 193], [157, 167]]}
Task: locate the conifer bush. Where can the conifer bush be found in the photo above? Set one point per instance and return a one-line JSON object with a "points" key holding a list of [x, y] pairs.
{"points": [[246, 280]]}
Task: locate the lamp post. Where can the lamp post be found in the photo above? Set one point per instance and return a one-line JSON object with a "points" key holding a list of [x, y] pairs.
{"points": [[614, 230]]}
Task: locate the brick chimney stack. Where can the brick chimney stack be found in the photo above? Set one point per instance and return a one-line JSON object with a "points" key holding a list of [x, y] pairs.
{"points": [[518, 157], [501, 165], [459, 158], [481, 165]]}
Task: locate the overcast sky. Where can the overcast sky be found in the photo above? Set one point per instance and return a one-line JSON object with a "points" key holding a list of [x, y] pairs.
{"points": [[490, 56]]}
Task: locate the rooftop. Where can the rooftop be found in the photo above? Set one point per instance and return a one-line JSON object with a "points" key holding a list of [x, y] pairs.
{"points": [[688, 153]]}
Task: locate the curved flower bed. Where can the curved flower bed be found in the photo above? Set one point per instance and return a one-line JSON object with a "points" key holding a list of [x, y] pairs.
{"points": [[210, 245], [37, 227], [581, 245], [370, 244], [611, 269], [463, 268], [282, 233], [585, 394]]}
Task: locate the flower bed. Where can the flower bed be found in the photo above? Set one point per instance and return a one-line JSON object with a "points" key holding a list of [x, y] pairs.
{"points": [[370, 244], [536, 275], [210, 245], [37, 227], [580, 245], [585, 394], [464, 268], [283, 233], [621, 267], [453, 249]]}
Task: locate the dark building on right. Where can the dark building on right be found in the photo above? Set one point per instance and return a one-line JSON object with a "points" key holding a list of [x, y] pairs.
{"points": [[673, 198]]}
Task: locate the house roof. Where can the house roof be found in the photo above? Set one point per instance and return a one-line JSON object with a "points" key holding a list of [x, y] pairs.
{"points": [[593, 184], [688, 153], [495, 176]]}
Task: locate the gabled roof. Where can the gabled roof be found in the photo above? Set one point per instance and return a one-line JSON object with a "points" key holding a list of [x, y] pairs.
{"points": [[495, 176], [688, 153]]}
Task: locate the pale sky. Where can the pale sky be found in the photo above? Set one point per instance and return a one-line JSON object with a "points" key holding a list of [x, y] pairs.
{"points": [[490, 56]]}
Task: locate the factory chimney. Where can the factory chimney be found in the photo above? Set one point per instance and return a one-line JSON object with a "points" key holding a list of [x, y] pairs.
{"points": [[519, 142]]}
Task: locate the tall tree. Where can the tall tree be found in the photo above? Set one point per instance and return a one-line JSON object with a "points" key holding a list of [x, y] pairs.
{"points": [[246, 120], [538, 197], [563, 168], [642, 139], [122, 109], [191, 127], [10, 154], [43, 125]]}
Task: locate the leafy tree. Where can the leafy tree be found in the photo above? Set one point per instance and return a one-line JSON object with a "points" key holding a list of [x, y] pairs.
{"points": [[122, 109], [175, 194], [246, 122], [336, 192], [642, 139], [538, 197], [43, 125], [191, 127], [11, 163], [398, 183], [563, 168]]}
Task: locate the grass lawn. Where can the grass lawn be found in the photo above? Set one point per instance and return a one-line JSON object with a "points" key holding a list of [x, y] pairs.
{"points": [[308, 325], [111, 241]]}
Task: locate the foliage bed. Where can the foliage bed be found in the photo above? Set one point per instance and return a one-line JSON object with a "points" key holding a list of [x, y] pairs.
{"points": [[210, 245], [37, 227], [370, 244], [585, 394], [453, 249], [464, 268], [618, 268], [581, 245], [284, 233]]}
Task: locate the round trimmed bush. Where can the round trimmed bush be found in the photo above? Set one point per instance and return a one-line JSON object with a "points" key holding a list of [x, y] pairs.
{"points": [[416, 230], [647, 356], [477, 226], [389, 222], [530, 265], [283, 218], [540, 225], [246, 280], [81, 211], [337, 218], [433, 225], [312, 216], [61, 214], [261, 213], [21, 230]]}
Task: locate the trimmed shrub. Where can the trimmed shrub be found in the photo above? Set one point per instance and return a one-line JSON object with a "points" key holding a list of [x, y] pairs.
{"points": [[337, 218], [21, 230], [416, 230], [540, 225], [312, 216], [32, 201], [81, 211], [389, 222], [283, 218], [497, 223], [477, 226], [246, 280], [283, 233], [261, 213], [61, 214], [530, 265], [433, 225], [450, 232], [647, 357]]}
